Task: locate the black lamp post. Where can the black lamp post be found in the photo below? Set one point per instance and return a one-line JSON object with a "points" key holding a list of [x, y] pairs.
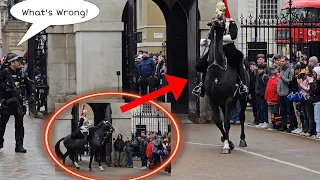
{"points": [[256, 27], [290, 29]]}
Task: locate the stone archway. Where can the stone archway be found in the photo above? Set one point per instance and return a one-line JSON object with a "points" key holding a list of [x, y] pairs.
{"points": [[182, 30], [75, 52]]}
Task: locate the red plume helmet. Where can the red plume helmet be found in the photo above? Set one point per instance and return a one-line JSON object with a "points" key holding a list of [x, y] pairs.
{"points": [[82, 110], [228, 15]]}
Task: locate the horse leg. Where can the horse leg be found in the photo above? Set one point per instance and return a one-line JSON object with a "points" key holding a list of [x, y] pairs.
{"points": [[65, 156], [228, 145], [92, 153], [243, 104], [74, 158], [101, 168], [216, 118]]}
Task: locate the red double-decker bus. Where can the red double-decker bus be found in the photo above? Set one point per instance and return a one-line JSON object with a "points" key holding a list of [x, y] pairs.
{"points": [[305, 20]]}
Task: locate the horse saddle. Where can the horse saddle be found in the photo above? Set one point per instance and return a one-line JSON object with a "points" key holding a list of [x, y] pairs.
{"points": [[78, 134]]}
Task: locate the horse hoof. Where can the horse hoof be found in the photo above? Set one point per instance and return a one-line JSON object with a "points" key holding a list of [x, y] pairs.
{"points": [[90, 170], [243, 143], [78, 167], [222, 139], [225, 151], [231, 145], [102, 170]]}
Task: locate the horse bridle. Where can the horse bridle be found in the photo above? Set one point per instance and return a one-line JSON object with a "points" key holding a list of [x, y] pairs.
{"points": [[105, 137], [215, 61]]}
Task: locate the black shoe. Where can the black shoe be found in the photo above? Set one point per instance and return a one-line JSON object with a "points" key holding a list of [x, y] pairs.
{"points": [[20, 149], [289, 130], [276, 127], [282, 129]]}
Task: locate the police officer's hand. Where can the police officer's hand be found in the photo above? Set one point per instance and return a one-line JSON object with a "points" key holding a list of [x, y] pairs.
{"points": [[32, 98], [8, 89]]}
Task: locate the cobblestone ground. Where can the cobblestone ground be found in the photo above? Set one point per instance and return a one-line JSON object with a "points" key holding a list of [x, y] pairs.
{"points": [[36, 165]]}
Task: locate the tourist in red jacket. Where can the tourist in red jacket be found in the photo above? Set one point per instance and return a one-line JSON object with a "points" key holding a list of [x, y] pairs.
{"points": [[271, 94]]}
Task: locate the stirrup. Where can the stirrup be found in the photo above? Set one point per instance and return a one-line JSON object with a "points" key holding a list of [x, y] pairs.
{"points": [[197, 90], [243, 88]]}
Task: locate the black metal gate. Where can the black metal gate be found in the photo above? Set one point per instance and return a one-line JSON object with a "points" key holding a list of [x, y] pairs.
{"points": [[37, 71], [37, 65], [294, 32], [147, 117]]}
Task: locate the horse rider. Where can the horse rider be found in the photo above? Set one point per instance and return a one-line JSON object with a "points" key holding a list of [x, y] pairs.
{"points": [[232, 54], [13, 85], [83, 131]]}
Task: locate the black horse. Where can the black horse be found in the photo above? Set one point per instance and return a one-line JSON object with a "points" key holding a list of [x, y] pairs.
{"points": [[96, 139], [221, 86]]}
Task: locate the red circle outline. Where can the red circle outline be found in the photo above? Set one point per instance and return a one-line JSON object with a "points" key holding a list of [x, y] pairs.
{"points": [[53, 118]]}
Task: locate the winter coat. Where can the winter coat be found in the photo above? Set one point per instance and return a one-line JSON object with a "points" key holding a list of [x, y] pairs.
{"points": [[129, 146], [285, 77], [119, 145], [271, 94]]}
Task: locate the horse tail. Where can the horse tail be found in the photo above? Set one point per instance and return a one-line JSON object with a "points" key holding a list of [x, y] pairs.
{"points": [[57, 149]]}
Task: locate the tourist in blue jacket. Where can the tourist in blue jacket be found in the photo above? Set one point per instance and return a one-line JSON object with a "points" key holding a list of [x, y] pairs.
{"points": [[146, 70]]}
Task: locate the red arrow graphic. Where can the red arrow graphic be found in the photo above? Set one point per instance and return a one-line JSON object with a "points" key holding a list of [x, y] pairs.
{"points": [[175, 85]]}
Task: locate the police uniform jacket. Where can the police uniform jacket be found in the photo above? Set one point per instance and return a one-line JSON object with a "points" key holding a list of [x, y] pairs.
{"points": [[11, 88]]}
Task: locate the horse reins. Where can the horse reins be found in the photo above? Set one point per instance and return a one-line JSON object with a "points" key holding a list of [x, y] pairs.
{"points": [[215, 61]]}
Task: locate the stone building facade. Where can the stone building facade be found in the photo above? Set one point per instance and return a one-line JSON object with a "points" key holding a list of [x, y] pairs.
{"points": [[84, 57], [3, 18], [151, 27]]}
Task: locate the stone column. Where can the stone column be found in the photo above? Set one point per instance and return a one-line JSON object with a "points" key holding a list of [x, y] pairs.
{"points": [[99, 49], [12, 33], [99, 54], [61, 64]]}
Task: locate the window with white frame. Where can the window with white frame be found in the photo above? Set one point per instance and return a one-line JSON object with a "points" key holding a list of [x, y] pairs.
{"points": [[268, 9]]}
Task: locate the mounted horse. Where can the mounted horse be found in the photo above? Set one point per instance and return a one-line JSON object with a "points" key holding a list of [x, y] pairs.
{"points": [[96, 138], [225, 80]]}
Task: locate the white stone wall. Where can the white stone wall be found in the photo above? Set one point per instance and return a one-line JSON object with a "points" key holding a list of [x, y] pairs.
{"points": [[61, 64]]}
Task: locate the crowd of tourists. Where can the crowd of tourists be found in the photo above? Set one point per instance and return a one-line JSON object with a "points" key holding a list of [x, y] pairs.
{"points": [[151, 147], [149, 72], [285, 95]]}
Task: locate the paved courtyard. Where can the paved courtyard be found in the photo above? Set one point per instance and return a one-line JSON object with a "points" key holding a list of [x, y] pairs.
{"points": [[269, 155], [36, 165]]}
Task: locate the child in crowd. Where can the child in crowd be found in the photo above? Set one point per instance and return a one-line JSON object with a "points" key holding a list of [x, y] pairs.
{"points": [[260, 93], [272, 96]]}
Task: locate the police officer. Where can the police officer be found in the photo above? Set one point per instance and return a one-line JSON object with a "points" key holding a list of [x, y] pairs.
{"points": [[12, 88]]}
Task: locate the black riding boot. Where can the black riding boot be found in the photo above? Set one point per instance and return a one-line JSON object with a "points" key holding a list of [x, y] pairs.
{"points": [[85, 134], [200, 90], [243, 87]]}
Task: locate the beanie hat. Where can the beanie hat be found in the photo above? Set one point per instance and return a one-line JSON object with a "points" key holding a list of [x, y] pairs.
{"points": [[313, 59]]}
